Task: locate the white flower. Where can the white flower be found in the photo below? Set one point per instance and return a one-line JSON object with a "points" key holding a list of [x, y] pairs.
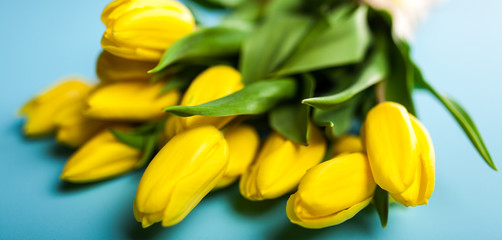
{"points": [[406, 14]]}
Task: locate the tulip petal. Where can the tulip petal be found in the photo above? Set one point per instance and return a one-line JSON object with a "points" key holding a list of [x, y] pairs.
{"points": [[332, 192], [216, 82], [180, 175], [243, 142], [392, 146], [144, 29], [102, 157], [336, 184], [347, 144], [111, 68], [280, 166], [326, 221], [40, 111], [74, 128], [423, 186], [130, 101]]}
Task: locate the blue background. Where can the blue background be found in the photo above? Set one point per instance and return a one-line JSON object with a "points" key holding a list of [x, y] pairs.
{"points": [[457, 47]]}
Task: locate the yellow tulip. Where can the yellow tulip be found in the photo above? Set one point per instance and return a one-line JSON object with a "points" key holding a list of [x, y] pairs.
{"points": [[180, 175], [243, 142], [101, 157], [213, 83], [130, 101], [332, 192], [111, 68], [347, 144], [144, 29], [73, 128], [40, 111], [280, 166], [400, 153]]}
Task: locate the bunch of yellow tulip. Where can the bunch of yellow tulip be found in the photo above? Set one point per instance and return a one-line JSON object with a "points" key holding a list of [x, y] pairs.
{"points": [[210, 137]]}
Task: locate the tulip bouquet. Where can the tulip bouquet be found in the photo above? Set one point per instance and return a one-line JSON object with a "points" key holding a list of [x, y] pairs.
{"points": [[312, 98]]}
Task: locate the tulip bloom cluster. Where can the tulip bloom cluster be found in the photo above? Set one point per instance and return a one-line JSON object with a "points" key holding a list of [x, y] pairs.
{"points": [[171, 97]]}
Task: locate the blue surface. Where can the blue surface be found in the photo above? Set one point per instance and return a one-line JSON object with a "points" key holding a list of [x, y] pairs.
{"points": [[458, 48]]}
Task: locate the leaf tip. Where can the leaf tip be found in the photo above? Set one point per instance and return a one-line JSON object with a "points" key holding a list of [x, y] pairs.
{"points": [[309, 101], [154, 70], [168, 108], [384, 225], [492, 165]]}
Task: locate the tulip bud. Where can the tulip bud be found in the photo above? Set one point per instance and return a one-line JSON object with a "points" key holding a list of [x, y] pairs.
{"points": [[280, 166], [130, 101], [73, 128], [347, 144], [144, 29], [243, 143], [101, 157], [41, 110], [400, 153], [180, 175], [213, 83], [332, 192], [111, 68]]}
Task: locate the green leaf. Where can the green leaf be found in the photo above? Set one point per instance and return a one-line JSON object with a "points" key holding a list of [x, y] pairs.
{"points": [[292, 120], [341, 39], [418, 78], [255, 98], [226, 3], [219, 3], [270, 44], [144, 137], [166, 72], [399, 85], [130, 138], [374, 71], [381, 201], [182, 79], [148, 149], [275, 7], [205, 43], [338, 120], [464, 120], [245, 15], [367, 103]]}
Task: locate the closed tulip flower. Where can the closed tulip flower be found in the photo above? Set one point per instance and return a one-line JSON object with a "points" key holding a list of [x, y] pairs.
{"points": [[111, 68], [280, 165], [180, 175], [130, 101], [400, 153], [243, 142], [214, 83], [144, 29], [347, 144], [101, 157], [332, 192], [40, 111], [73, 128]]}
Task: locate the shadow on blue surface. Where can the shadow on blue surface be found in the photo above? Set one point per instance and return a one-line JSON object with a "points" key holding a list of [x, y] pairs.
{"points": [[277, 227], [55, 151], [250, 208], [60, 151], [68, 187], [364, 223]]}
